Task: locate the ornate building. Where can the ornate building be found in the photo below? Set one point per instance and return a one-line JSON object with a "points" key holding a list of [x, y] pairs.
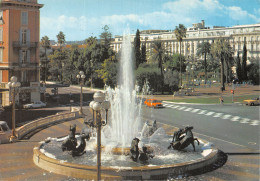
{"points": [[19, 48], [236, 35]]}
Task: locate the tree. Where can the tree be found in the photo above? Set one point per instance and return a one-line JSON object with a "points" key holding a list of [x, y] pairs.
{"points": [[204, 49], [229, 63], [218, 49], [45, 43], [137, 52], [244, 68], [106, 37], [56, 64], [238, 67], [108, 72], [61, 38], [149, 73], [180, 33], [171, 78], [253, 73], [143, 53], [158, 53]]}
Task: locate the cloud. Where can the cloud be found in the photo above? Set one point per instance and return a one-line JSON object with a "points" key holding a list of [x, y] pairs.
{"points": [[169, 15]]}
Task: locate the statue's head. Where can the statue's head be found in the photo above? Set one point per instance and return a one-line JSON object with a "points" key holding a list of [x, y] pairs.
{"points": [[144, 149], [188, 128], [136, 139]]}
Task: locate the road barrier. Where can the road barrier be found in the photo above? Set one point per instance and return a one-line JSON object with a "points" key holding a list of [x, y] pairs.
{"points": [[25, 129]]}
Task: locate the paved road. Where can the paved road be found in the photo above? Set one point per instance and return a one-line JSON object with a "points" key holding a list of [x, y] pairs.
{"points": [[233, 129]]}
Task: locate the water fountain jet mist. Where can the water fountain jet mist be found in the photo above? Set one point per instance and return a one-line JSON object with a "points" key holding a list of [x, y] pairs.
{"points": [[125, 117]]}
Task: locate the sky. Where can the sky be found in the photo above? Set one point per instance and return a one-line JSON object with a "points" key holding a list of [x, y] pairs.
{"points": [[80, 19]]}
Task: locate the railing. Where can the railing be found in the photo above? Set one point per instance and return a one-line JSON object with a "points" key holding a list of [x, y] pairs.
{"points": [[25, 129], [18, 44], [4, 86]]}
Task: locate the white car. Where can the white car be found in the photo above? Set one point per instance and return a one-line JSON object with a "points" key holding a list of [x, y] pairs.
{"points": [[36, 104], [5, 132]]}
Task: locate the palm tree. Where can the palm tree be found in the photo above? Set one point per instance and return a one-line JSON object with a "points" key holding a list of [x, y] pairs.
{"points": [[61, 38], [219, 49], [158, 53], [45, 42], [204, 49], [180, 33]]}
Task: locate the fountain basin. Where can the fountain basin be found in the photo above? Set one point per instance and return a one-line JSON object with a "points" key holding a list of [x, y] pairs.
{"points": [[48, 162]]}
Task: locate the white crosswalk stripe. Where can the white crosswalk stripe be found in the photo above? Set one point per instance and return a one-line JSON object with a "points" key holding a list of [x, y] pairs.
{"points": [[214, 114], [235, 118], [227, 116], [217, 115], [195, 110], [188, 109], [254, 122], [202, 112], [210, 113], [245, 120], [181, 108]]}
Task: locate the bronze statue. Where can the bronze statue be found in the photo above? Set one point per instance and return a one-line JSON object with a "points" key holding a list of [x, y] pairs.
{"points": [[70, 144], [145, 155], [80, 150], [180, 141], [134, 150]]}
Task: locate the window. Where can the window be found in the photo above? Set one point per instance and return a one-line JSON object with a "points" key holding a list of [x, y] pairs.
{"points": [[24, 56], [24, 37], [1, 55], [1, 79], [24, 76], [1, 34], [24, 18], [1, 17]]}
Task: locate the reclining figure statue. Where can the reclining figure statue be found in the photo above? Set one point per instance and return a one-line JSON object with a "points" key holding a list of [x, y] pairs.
{"points": [[180, 141], [70, 144], [134, 150], [145, 155]]}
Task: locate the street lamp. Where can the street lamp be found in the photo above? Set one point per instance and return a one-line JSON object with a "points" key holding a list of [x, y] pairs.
{"points": [[81, 78], [192, 68], [187, 72], [13, 86], [97, 105]]}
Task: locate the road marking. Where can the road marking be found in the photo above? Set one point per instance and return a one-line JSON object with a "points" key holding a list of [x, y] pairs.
{"points": [[195, 110], [245, 120], [202, 112], [235, 118], [227, 116], [188, 109], [217, 115], [166, 105], [181, 108], [209, 113], [175, 107], [255, 122]]}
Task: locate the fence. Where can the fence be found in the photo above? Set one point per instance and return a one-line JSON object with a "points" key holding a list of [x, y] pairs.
{"points": [[25, 129]]}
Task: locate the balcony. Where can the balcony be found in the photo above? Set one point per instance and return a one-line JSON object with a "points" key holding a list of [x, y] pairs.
{"points": [[19, 44], [4, 86]]}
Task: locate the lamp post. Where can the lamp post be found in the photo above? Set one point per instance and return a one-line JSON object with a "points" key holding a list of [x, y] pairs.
{"points": [[188, 78], [192, 68], [13, 86], [81, 78], [97, 105]]}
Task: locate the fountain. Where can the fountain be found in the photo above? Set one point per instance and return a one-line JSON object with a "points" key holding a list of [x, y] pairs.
{"points": [[125, 124]]}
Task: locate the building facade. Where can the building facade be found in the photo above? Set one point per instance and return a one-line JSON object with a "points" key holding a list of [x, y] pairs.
{"points": [[19, 49], [198, 33]]}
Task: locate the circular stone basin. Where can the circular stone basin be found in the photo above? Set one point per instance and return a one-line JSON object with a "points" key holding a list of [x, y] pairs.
{"points": [[116, 164]]}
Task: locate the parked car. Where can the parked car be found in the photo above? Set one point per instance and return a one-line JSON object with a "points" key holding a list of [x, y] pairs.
{"points": [[37, 104], [153, 103], [5, 132], [252, 102]]}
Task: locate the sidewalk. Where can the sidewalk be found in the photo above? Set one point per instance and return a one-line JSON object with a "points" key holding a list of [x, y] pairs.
{"points": [[16, 161], [212, 92]]}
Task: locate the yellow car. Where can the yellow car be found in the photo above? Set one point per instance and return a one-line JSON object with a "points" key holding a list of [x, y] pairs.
{"points": [[153, 103], [252, 102]]}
